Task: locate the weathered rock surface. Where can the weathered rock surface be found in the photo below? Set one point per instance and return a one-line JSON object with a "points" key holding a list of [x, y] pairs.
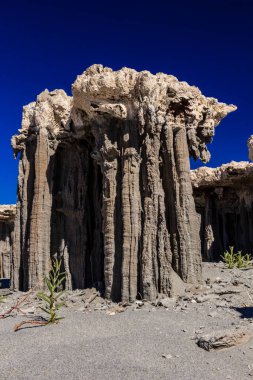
{"points": [[224, 201], [226, 338], [7, 215], [231, 174], [104, 182]]}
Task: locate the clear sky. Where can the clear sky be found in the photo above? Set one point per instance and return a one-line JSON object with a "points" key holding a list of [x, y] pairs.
{"points": [[46, 44]]}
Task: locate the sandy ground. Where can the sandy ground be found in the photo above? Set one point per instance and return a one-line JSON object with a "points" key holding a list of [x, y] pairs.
{"points": [[146, 342]]}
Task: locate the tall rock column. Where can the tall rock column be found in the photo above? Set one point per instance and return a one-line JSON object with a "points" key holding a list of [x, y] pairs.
{"points": [[37, 144], [190, 255], [7, 215], [40, 218]]}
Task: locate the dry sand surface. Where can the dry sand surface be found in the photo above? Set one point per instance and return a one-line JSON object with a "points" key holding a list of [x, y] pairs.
{"points": [[101, 340]]}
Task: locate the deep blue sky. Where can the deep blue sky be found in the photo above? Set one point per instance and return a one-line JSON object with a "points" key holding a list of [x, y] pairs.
{"points": [[45, 44]]}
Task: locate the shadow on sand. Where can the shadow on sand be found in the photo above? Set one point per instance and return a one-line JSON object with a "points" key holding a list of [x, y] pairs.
{"points": [[245, 312]]}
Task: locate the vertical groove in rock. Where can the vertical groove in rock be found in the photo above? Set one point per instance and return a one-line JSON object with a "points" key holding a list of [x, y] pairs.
{"points": [[152, 191], [190, 255], [208, 231], [164, 253], [109, 171], [96, 237], [130, 212], [170, 185]]}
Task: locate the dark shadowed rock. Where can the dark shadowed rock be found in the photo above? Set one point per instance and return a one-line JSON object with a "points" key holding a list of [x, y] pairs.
{"points": [[224, 203]]}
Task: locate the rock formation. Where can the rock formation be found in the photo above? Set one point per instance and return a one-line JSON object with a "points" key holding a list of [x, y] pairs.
{"points": [[224, 201], [7, 215], [250, 147], [104, 182]]}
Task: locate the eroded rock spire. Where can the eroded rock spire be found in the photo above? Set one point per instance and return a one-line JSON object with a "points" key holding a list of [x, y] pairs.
{"points": [[104, 182], [7, 216]]}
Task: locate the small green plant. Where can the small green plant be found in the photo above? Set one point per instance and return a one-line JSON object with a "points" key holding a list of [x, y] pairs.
{"points": [[236, 259], [239, 260], [247, 260], [229, 257], [53, 282]]}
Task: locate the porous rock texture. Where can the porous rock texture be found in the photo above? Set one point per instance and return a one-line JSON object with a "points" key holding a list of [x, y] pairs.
{"points": [[250, 147], [7, 216], [227, 338], [104, 183], [224, 202]]}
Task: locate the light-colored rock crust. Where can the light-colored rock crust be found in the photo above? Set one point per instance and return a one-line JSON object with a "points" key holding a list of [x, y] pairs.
{"points": [[225, 175], [127, 93], [7, 212]]}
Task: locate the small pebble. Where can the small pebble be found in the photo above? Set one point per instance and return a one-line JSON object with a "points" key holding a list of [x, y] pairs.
{"points": [[167, 356]]}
